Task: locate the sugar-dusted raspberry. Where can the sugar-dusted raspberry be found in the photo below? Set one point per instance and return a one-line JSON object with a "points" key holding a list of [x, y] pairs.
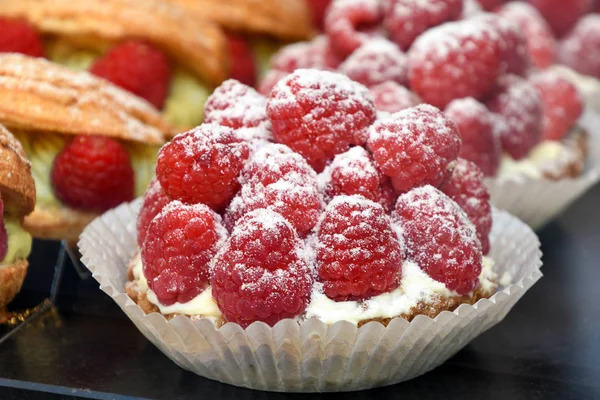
{"points": [[476, 126], [376, 61], [354, 173], [261, 274], [202, 165], [273, 162], [351, 23], [518, 102], [513, 44], [491, 5], [318, 10], [562, 103], [240, 107], [243, 64], [580, 49], [320, 114], [358, 254], [93, 173], [541, 45], [269, 80], [471, 8], [391, 97], [407, 19], [137, 67], [467, 189], [155, 199], [3, 233], [439, 237], [562, 15], [415, 147], [298, 203], [455, 60], [300, 55], [180, 243], [20, 37]]}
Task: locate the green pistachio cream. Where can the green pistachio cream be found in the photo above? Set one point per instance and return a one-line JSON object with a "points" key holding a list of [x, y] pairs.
{"points": [[19, 242]]}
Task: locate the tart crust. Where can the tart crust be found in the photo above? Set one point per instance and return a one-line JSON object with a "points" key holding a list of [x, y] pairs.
{"points": [[572, 162]]}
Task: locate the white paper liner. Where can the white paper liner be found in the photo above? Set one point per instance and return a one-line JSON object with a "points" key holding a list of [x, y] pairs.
{"points": [[537, 201], [312, 356]]}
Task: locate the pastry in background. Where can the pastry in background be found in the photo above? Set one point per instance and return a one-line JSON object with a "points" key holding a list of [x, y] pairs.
{"points": [[92, 145], [17, 199]]}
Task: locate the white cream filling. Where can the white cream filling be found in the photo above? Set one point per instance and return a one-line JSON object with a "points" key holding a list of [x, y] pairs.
{"points": [[540, 158], [416, 287]]}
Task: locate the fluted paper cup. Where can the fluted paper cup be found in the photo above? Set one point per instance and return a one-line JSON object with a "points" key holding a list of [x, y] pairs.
{"points": [[312, 356], [537, 201]]}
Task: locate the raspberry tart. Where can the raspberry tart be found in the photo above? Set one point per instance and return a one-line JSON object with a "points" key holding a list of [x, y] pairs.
{"points": [[393, 225], [92, 145]]}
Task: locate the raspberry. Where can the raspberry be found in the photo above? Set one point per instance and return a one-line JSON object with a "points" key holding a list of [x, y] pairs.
{"points": [[490, 5], [354, 173], [560, 15], [377, 61], [541, 45], [137, 67], [3, 233], [580, 50], [295, 56], [470, 8], [358, 255], [269, 81], [455, 60], [415, 147], [562, 104], [407, 19], [439, 237], [298, 203], [318, 9], [349, 24], [202, 165], [518, 102], [261, 274], [513, 45], [320, 114], [391, 97], [476, 126], [93, 173], [19, 37], [180, 243], [243, 65], [155, 199], [274, 162], [467, 189]]}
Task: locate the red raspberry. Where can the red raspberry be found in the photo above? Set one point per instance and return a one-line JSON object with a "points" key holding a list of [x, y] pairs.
{"points": [[354, 173], [202, 165], [299, 204], [561, 103], [155, 199], [391, 97], [3, 233], [467, 189], [541, 45], [513, 45], [470, 9], [415, 147], [269, 80], [377, 61], [349, 24], [455, 60], [243, 65], [358, 253], [318, 9], [476, 126], [407, 19], [320, 114], [274, 162], [261, 274], [240, 107], [295, 56], [490, 5], [518, 102], [439, 237], [137, 67], [580, 50], [562, 15], [20, 37], [93, 173], [180, 243]]}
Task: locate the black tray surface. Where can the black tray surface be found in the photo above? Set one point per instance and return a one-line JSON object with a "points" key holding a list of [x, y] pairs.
{"points": [[548, 347]]}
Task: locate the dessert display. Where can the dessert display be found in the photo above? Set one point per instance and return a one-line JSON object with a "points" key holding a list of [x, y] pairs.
{"points": [[338, 238], [91, 145], [17, 199]]}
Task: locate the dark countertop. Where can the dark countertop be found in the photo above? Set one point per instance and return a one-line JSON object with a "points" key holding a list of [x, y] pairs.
{"points": [[548, 347]]}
